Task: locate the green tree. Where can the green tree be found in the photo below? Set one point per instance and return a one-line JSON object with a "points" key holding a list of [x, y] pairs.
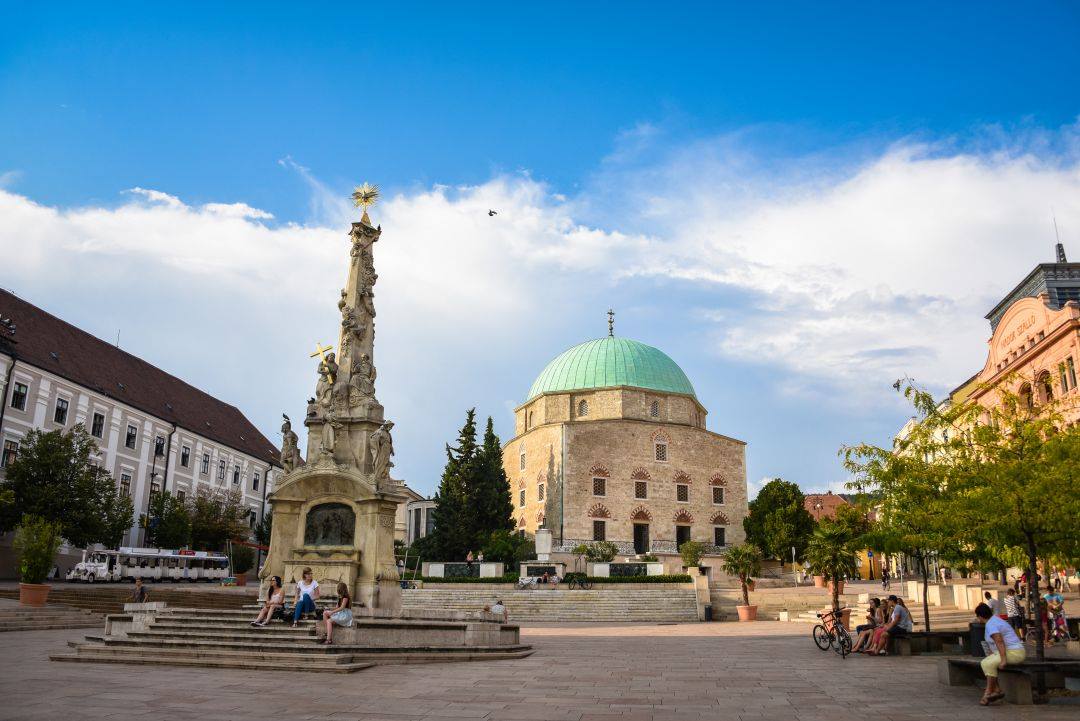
{"points": [[507, 547], [910, 481], [453, 536], [831, 553], [264, 528], [743, 562], [168, 523], [217, 516], [1018, 484], [52, 477], [488, 491], [778, 520]]}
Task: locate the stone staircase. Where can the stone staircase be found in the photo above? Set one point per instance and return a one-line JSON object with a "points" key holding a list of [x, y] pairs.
{"points": [[27, 618], [630, 605], [223, 638], [102, 600]]}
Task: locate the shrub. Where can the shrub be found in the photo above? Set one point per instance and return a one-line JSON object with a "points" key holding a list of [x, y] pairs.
{"points": [[691, 553], [242, 558], [601, 551], [649, 559], [665, 578], [508, 578], [36, 543]]}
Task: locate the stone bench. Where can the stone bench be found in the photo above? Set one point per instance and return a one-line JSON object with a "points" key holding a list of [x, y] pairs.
{"points": [[920, 642], [1017, 681]]}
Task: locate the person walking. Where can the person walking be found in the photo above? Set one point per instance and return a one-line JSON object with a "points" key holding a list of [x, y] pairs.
{"points": [[1014, 613], [885, 579]]}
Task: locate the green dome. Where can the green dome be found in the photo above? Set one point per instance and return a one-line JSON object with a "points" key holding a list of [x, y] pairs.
{"points": [[608, 362]]}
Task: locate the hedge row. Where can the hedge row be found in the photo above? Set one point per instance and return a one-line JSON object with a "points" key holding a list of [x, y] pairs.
{"points": [[511, 578], [664, 578]]}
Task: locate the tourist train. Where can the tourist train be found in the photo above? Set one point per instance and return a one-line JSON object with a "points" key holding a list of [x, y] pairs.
{"points": [[152, 564]]}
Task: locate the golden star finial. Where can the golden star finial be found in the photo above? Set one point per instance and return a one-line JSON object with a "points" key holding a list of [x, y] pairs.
{"points": [[365, 196]]}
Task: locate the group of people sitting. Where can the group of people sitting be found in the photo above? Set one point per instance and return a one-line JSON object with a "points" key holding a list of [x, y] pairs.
{"points": [[535, 581], [307, 592], [890, 619]]}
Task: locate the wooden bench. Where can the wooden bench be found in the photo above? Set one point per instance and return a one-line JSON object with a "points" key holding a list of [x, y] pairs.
{"points": [[1017, 681]]}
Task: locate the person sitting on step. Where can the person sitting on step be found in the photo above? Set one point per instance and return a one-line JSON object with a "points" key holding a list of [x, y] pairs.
{"points": [[307, 590], [140, 594], [340, 615], [275, 599]]}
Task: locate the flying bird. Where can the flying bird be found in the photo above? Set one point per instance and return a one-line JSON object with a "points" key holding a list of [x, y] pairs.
{"points": [[491, 213]]}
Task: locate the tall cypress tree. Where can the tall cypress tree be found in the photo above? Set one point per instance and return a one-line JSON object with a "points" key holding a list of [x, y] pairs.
{"points": [[489, 493], [453, 535]]}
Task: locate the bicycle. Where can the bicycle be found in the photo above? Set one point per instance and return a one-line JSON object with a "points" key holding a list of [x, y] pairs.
{"points": [[830, 633], [578, 580]]}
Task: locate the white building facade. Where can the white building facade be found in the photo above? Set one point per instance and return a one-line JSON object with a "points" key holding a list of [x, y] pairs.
{"points": [[154, 431]]}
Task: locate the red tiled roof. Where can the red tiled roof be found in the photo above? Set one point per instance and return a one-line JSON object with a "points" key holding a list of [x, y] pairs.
{"points": [[828, 503], [45, 341]]}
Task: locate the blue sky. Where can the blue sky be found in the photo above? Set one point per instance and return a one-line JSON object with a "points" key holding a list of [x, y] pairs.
{"points": [[788, 200]]}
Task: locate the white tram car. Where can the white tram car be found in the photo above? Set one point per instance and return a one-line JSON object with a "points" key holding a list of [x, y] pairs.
{"points": [[150, 564]]}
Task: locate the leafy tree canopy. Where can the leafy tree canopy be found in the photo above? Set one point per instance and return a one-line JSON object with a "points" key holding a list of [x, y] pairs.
{"points": [[778, 520], [53, 478]]}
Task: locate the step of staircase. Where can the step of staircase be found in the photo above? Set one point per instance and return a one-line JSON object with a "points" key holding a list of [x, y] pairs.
{"points": [[629, 605], [214, 639], [27, 618]]}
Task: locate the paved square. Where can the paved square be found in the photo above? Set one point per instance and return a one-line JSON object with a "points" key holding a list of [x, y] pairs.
{"points": [[741, 672]]}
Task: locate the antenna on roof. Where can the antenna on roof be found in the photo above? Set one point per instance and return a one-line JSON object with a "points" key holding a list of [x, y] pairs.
{"points": [[1057, 237]]}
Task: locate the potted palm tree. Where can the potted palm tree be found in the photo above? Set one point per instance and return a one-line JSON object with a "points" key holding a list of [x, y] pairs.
{"points": [[832, 553], [36, 543], [744, 562]]}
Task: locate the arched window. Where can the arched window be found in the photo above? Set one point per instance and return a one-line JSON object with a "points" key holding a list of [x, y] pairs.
{"points": [[1046, 387], [654, 409], [583, 408], [1027, 400], [660, 450]]}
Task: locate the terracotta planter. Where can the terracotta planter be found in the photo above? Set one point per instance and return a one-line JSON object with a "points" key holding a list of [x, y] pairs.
{"points": [[841, 589], [33, 594], [241, 579], [819, 582], [747, 613]]}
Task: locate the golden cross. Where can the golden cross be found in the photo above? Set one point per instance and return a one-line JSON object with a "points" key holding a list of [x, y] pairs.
{"points": [[321, 352]]}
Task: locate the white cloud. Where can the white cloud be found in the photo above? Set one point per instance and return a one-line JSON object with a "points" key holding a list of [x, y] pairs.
{"points": [[843, 276]]}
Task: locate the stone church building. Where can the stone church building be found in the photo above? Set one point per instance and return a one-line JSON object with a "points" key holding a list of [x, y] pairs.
{"points": [[611, 444]]}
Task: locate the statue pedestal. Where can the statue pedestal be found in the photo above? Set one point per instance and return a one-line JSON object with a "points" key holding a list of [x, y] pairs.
{"points": [[333, 520]]}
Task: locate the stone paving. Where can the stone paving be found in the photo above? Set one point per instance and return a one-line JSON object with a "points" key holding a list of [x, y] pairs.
{"points": [[724, 671]]}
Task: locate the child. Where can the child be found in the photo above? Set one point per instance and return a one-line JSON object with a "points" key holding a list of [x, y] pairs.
{"points": [[340, 614]]}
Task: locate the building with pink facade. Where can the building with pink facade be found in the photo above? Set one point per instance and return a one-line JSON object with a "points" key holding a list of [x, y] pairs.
{"points": [[1034, 349]]}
